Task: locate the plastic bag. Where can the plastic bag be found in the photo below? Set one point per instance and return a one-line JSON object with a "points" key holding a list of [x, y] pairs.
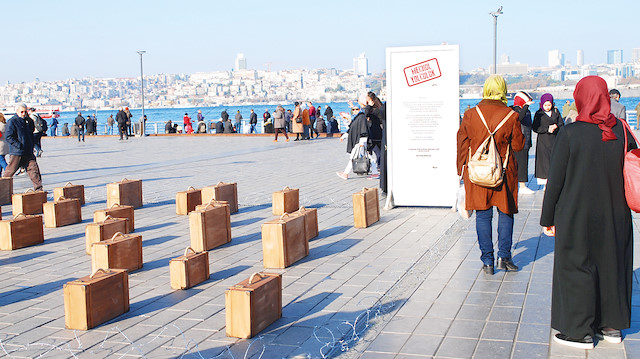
{"points": [[460, 203]]}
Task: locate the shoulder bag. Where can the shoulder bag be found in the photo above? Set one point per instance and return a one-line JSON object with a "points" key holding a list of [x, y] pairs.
{"points": [[631, 171], [485, 166]]}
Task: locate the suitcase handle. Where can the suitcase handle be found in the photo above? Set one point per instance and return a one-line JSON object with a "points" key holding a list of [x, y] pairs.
{"points": [[124, 179], [68, 184], [96, 272], [191, 188], [187, 251], [116, 235], [286, 188], [29, 190], [253, 276], [115, 205], [60, 198], [107, 217], [285, 214], [19, 214]]}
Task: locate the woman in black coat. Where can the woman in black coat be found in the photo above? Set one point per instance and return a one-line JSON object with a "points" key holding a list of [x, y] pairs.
{"points": [[546, 122], [584, 204], [521, 102]]}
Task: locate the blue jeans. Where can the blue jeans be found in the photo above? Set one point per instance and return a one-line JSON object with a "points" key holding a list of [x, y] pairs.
{"points": [[54, 130], [253, 128], [484, 232], [3, 164], [110, 130], [81, 134]]}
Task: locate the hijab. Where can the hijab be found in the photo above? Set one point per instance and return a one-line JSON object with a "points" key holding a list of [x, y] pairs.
{"points": [[594, 105], [544, 98], [495, 88]]}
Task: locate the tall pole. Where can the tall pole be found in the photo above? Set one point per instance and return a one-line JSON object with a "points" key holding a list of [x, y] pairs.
{"points": [[495, 15], [142, 121]]}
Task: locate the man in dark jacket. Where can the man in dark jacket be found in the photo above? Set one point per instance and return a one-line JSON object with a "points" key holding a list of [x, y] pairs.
{"points": [[253, 121], [220, 126], [228, 127], [80, 122], [19, 135], [121, 119]]}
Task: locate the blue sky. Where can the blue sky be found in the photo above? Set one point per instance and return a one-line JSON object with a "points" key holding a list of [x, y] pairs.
{"points": [[65, 39]]}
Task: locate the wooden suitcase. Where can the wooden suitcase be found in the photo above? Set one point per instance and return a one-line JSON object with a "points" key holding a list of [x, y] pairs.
{"points": [[70, 191], [285, 201], [284, 241], [62, 212], [126, 192], [210, 227], [212, 202], [189, 269], [222, 192], [366, 207], [310, 221], [116, 211], [253, 305], [21, 231], [101, 231], [122, 251], [187, 201], [92, 300], [6, 190], [29, 202]]}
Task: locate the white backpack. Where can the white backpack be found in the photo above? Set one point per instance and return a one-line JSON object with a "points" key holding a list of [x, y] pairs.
{"points": [[485, 167]]}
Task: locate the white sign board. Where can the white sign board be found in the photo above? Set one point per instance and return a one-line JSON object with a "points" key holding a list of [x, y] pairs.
{"points": [[422, 122]]}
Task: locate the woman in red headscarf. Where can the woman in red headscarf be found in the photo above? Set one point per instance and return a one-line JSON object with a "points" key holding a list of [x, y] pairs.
{"points": [[584, 204]]}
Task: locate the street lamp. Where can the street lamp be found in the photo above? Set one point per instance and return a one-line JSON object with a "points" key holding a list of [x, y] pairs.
{"points": [[142, 121], [495, 15]]}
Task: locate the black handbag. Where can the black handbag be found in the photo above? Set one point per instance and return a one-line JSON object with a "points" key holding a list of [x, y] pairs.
{"points": [[299, 120], [361, 165]]}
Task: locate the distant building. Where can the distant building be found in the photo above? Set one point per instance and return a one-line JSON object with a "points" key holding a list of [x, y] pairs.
{"points": [[580, 58], [241, 62], [556, 59], [614, 57], [361, 65], [635, 54]]}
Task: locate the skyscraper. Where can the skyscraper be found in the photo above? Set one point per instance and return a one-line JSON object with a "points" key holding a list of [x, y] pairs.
{"points": [[241, 62], [556, 59], [635, 54], [580, 58], [614, 57], [361, 65]]}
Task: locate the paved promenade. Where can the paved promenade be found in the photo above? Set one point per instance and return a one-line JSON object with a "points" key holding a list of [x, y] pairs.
{"points": [[409, 286]]}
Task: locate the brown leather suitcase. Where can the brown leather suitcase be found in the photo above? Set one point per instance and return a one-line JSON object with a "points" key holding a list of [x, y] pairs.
{"points": [[21, 231], [189, 269], [92, 300], [116, 211], [70, 191], [29, 202], [222, 192], [366, 207], [253, 304], [210, 227], [310, 221], [6, 190], [284, 241], [126, 192], [122, 251], [186, 201], [103, 230], [62, 212], [285, 201]]}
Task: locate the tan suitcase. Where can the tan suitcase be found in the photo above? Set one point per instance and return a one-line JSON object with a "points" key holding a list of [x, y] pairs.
{"points": [[6, 190], [210, 227], [101, 231], [189, 269], [366, 207], [92, 300], [284, 241], [285, 201], [310, 221], [62, 212], [186, 201], [29, 202], [126, 192], [70, 191], [21, 231], [116, 211], [253, 304], [222, 192], [122, 251]]}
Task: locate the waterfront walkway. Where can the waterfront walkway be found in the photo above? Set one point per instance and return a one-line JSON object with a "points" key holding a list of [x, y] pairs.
{"points": [[409, 286]]}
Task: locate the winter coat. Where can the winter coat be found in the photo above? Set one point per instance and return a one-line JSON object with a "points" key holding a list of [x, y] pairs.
{"points": [[544, 145], [358, 128], [228, 127], [219, 127], [374, 123], [253, 118], [321, 127], [328, 113], [19, 136], [121, 118], [297, 127], [524, 115], [305, 117], [4, 145], [278, 118], [80, 122]]}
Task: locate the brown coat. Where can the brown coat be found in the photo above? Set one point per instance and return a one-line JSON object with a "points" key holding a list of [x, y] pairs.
{"points": [[296, 127], [305, 117], [471, 134]]}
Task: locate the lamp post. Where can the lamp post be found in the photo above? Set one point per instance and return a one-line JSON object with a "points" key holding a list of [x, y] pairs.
{"points": [[142, 121], [495, 15]]}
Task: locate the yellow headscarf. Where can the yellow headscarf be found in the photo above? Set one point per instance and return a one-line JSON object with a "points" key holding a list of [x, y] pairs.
{"points": [[495, 88]]}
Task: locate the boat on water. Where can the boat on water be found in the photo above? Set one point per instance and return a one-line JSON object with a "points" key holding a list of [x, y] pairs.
{"points": [[45, 111]]}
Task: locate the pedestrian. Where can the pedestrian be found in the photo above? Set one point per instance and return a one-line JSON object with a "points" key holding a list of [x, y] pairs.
{"points": [[19, 135], [508, 138], [4, 146], [121, 119], [312, 120], [168, 127], [278, 123], [546, 123], [238, 122], [80, 123], [110, 122], [566, 108], [584, 204], [357, 140], [91, 126], [371, 110], [220, 126], [253, 121], [521, 103], [306, 122], [200, 117], [228, 126], [65, 129], [202, 126], [186, 120], [129, 115], [54, 124], [617, 109], [224, 115], [287, 120], [328, 114], [40, 129]]}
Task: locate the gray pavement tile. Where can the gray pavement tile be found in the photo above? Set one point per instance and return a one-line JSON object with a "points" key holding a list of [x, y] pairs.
{"points": [[388, 342], [433, 326], [457, 348], [400, 324], [465, 328], [510, 300], [533, 333], [474, 312], [424, 345], [530, 351], [480, 298], [499, 331], [374, 355], [490, 349], [608, 353], [505, 314]]}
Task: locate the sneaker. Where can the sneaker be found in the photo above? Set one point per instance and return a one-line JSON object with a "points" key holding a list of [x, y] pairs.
{"points": [[374, 176], [525, 190], [342, 175], [585, 343], [610, 335], [287, 140], [275, 140]]}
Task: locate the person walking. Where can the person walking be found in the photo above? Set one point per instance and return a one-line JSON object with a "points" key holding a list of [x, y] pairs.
{"points": [[521, 103], [4, 146], [278, 123], [546, 123], [296, 121], [508, 138], [129, 116], [238, 122], [253, 121], [617, 109], [371, 110], [584, 205], [110, 122], [312, 120], [121, 119], [306, 122], [80, 123], [19, 135], [357, 137], [54, 125], [287, 121]]}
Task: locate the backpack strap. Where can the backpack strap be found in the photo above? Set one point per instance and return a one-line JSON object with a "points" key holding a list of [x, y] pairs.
{"points": [[504, 120]]}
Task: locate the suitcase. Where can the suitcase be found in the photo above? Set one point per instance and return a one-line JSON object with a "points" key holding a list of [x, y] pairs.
{"points": [[285, 201], [187, 201], [116, 211], [122, 251], [62, 212], [310, 221], [70, 191], [189, 270], [210, 227], [222, 192], [21, 231], [212, 202], [126, 192], [366, 207], [103, 230], [29, 202], [284, 241], [253, 304], [92, 300], [6, 190]]}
